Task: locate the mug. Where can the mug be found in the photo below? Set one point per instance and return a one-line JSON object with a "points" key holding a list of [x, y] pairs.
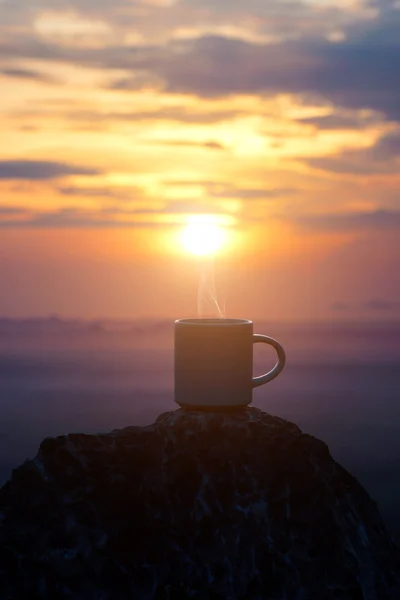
{"points": [[214, 362]]}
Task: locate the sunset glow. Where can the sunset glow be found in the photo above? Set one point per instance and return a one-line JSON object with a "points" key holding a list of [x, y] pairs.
{"points": [[152, 131]]}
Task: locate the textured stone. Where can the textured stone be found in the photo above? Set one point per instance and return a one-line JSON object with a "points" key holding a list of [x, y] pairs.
{"points": [[203, 505]]}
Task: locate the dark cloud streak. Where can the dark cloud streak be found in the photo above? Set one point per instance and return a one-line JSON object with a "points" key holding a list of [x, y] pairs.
{"points": [[336, 122], [11, 210], [379, 220], [27, 74], [210, 145], [34, 170], [100, 192], [250, 193]]}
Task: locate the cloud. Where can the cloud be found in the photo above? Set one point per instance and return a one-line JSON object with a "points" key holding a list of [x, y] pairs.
{"points": [[358, 71], [161, 19], [351, 74], [11, 210], [27, 74], [20, 13], [212, 145], [380, 158], [219, 191], [223, 190], [40, 170], [387, 147], [179, 114], [66, 218], [192, 182], [120, 217], [136, 84], [337, 121], [100, 192], [110, 217], [377, 220], [351, 162]]}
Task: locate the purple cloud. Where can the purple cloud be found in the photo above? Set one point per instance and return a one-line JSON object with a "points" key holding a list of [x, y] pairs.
{"points": [[11, 210], [337, 121], [360, 71], [26, 74], [380, 158], [36, 170], [380, 219]]}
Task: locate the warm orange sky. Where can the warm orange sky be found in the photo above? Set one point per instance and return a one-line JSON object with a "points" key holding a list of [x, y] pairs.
{"points": [[120, 119]]}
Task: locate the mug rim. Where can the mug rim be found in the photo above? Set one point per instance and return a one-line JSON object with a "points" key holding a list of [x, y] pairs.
{"points": [[216, 321]]}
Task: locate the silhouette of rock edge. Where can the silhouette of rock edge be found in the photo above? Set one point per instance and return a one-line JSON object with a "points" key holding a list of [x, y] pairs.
{"points": [[203, 505]]}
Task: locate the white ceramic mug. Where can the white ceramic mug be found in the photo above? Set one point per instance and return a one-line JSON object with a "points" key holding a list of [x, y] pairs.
{"points": [[214, 362]]}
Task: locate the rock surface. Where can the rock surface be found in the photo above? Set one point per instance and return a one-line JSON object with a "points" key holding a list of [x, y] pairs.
{"points": [[202, 505]]}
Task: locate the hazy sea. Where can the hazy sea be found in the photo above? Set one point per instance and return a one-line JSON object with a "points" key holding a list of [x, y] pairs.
{"points": [[341, 384]]}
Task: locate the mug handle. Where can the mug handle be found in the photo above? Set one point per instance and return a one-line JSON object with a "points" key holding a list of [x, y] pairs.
{"points": [[264, 339]]}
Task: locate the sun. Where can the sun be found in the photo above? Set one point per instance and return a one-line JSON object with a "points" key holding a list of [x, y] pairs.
{"points": [[203, 235]]}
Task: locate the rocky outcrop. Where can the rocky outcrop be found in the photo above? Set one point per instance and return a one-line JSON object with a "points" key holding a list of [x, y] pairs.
{"points": [[202, 505]]}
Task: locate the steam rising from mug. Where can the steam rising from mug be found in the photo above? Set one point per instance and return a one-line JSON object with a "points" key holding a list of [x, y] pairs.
{"points": [[207, 298]]}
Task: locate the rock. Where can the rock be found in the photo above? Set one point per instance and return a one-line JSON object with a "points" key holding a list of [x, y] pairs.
{"points": [[203, 505]]}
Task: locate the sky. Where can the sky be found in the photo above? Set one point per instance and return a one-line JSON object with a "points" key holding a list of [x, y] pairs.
{"points": [[122, 119]]}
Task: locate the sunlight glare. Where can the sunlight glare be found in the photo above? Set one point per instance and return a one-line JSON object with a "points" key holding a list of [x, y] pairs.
{"points": [[203, 235]]}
